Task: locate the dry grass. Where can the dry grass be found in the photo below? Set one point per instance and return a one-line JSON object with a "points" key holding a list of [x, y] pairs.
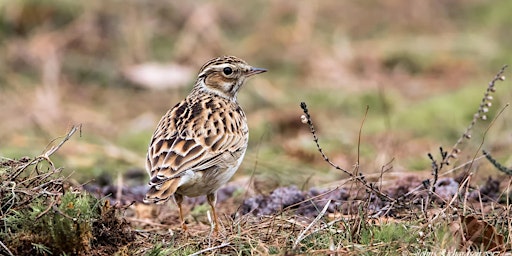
{"points": [[418, 74]]}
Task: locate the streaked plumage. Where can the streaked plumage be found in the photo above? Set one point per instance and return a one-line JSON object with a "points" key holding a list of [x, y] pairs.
{"points": [[200, 143]]}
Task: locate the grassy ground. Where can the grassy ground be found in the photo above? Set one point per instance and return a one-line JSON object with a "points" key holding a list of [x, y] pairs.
{"points": [[421, 69]]}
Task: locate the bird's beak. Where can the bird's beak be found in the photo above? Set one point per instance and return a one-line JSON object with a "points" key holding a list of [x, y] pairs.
{"points": [[255, 71]]}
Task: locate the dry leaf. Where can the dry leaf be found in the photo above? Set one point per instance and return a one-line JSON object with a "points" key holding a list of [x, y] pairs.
{"points": [[480, 234]]}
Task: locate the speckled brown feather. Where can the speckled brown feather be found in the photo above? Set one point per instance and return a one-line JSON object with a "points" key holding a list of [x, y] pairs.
{"points": [[190, 137], [206, 132]]}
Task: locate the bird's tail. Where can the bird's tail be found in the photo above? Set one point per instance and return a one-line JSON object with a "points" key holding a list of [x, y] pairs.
{"points": [[160, 193]]}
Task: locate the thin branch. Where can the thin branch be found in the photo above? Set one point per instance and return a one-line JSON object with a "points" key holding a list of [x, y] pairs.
{"points": [[480, 114], [210, 249], [66, 138], [6, 249], [49, 208], [46, 155], [57, 210], [301, 235], [496, 164], [359, 138], [306, 118]]}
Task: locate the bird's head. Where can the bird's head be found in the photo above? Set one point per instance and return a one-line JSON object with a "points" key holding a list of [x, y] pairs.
{"points": [[224, 76]]}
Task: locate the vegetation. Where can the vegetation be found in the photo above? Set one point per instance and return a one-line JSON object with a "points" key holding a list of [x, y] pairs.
{"points": [[388, 87]]}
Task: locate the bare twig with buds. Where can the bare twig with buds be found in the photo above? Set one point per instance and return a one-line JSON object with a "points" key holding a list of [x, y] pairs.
{"points": [[481, 114]]}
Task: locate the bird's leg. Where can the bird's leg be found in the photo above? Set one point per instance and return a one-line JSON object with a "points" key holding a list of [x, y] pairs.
{"points": [[179, 200], [212, 199]]}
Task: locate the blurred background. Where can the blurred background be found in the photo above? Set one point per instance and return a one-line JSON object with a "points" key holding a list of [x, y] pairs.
{"points": [[117, 66]]}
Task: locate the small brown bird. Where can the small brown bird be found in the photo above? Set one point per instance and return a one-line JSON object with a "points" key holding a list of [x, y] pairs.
{"points": [[200, 143]]}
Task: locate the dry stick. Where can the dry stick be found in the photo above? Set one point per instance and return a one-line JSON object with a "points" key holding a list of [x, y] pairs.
{"points": [[310, 199], [307, 119], [417, 188], [359, 138], [454, 197], [460, 166], [6, 249], [12, 199], [57, 210], [22, 168], [210, 249], [68, 136], [481, 143], [480, 114], [466, 193], [466, 135], [301, 235], [49, 208], [47, 154]]}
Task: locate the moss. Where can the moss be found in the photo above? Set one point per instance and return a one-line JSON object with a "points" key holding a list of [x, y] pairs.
{"points": [[59, 227]]}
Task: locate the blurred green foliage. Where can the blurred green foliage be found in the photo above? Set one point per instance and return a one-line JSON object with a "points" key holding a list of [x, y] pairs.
{"points": [[420, 73]]}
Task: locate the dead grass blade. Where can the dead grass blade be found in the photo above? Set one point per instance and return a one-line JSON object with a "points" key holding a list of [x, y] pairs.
{"points": [[210, 249], [301, 235]]}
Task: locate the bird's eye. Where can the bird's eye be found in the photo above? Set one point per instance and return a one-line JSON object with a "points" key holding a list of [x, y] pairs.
{"points": [[227, 71]]}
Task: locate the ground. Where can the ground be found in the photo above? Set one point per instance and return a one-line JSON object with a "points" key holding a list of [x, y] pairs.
{"points": [[385, 84]]}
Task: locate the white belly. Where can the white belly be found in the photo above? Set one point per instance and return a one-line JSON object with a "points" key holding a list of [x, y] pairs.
{"points": [[196, 183]]}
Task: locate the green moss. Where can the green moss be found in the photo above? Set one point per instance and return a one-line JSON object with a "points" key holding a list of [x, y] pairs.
{"points": [[56, 227]]}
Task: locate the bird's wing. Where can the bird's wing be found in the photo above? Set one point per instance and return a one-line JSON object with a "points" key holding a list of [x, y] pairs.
{"points": [[194, 135]]}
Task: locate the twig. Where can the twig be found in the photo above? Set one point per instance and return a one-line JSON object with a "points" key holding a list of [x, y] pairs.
{"points": [[301, 235], [57, 210], [12, 200], [359, 138], [306, 118], [6, 249], [311, 198], [66, 138], [47, 154], [496, 164], [453, 154], [210, 249], [482, 109], [49, 208]]}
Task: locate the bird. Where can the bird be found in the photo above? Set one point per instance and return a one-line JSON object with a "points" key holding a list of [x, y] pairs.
{"points": [[200, 142]]}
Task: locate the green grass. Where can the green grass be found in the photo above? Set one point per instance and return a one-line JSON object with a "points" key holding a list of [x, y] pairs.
{"points": [[337, 56]]}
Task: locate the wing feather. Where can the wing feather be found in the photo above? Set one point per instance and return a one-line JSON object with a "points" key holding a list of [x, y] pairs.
{"points": [[194, 135]]}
